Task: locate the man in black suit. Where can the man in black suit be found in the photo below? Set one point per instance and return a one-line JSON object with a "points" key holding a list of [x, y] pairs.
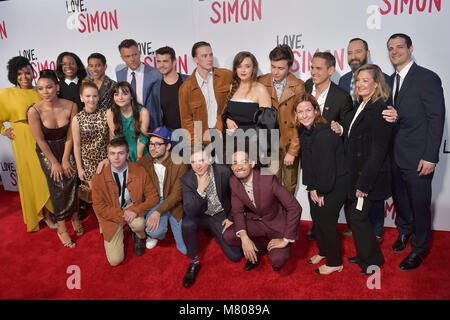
{"points": [[334, 101], [206, 203], [419, 102]]}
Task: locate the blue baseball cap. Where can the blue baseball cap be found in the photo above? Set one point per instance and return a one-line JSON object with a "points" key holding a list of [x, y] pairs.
{"points": [[161, 132]]}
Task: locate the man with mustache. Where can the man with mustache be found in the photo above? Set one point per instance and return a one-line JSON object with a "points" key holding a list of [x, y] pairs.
{"points": [[261, 208]]}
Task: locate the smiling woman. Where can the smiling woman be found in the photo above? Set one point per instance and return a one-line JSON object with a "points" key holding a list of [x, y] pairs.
{"points": [[14, 103]]}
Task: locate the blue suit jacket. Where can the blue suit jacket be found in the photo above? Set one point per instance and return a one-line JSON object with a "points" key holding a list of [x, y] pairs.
{"points": [[346, 79], [421, 110], [156, 120], [151, 76]]}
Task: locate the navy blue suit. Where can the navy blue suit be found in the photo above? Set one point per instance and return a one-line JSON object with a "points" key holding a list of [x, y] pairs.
{"points": [[151, 76], [417, 136]]}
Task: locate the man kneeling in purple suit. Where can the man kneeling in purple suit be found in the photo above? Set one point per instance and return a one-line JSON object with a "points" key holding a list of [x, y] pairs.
{"points": [[261, 207]]}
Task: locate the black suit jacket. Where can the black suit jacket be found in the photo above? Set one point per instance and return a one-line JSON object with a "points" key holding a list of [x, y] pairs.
{"points": [[337, 104], [193, 204], [421, 110], [367, 151]]}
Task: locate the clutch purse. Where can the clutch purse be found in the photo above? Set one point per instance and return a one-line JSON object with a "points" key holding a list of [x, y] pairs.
{"points": [[84, 193]]}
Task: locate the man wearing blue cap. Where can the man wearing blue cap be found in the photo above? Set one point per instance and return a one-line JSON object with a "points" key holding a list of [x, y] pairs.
{"points": [[165, 176]]}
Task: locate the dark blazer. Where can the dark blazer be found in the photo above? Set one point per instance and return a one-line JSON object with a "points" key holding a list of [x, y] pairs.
{"points": [[151, 76], [346, 79], [337, 104], [194, 205], [421, 110], [71, 93], [367, 151], [322, 158], [157, 119], [276, 207]]}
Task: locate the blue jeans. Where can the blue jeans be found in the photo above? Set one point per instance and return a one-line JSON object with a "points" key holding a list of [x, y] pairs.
{"points": [[160, 233]]}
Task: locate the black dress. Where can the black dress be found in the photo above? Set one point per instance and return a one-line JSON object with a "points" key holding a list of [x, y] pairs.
{"points": [[63, 193], [71, 92]]}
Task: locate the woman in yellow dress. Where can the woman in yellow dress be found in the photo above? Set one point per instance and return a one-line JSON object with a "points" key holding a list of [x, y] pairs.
{"points": [[14, 103]]}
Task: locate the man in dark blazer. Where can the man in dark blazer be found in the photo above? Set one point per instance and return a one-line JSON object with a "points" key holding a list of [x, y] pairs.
{"points": [[334, 101], [141, 76], [419, 101], [206, 203], [165, 107], [358, 54], [261, 207]]}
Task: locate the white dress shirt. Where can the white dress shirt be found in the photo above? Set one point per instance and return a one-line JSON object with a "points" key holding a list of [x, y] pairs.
{"points": [[139, 75], [68, 82], [207, 87], [402, 74], [160, 172], [322, 97]]}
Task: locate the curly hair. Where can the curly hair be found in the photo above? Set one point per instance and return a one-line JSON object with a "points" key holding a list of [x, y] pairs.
{"points": [[14, 65], [81, 70]]}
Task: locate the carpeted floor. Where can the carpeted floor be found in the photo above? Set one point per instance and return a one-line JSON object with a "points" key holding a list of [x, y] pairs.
{"points": [[35, 266]]}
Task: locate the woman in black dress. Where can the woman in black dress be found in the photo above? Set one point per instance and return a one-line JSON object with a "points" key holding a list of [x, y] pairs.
{"points": [[245, 99], [367, 138], [325, 177], [50, 121], [70, 71]]}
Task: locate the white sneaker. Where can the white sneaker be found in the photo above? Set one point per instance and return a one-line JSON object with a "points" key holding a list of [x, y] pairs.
{"points": [[150, 243]]}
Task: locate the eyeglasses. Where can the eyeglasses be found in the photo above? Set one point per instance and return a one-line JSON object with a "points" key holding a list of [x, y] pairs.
{"points": [[156, 144]]}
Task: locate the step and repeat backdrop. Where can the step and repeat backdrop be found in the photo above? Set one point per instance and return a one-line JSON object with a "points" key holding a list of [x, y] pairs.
{"points": [[40, 30]]}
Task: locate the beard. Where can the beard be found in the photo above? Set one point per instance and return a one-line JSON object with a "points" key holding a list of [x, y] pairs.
{"points": [[355, 64]]}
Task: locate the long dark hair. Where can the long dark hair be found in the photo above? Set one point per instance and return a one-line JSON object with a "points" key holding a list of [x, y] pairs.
{"points": [[81, 70], [236, 63], [118, 125]]}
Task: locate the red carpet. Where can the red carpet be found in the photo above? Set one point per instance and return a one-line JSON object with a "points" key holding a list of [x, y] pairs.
{"points": [[34, 266]]}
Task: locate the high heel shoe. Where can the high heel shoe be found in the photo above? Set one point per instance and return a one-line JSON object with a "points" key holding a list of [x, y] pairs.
{"points": [[315, 259], [324, 269], [78, 227], [66, 243]]}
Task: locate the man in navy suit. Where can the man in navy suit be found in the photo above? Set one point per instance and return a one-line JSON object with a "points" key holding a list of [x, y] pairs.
{"points": [[141, 76], [358, 54], [419, 102]]}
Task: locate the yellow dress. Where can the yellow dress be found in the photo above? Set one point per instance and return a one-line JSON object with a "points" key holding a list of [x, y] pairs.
{"points": [[33, 188]]}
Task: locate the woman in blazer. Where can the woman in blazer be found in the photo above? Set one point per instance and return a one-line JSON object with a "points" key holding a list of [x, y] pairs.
{"points": [[366, 142], [325, 176]]}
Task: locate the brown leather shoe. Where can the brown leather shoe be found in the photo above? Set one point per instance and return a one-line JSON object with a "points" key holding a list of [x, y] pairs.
{"points": [[347, 233]]}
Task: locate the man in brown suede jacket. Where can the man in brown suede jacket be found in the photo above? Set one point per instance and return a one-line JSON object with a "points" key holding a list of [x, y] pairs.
{"points": [[283, 87], [202, 96], [118, 194], [165, 176]]}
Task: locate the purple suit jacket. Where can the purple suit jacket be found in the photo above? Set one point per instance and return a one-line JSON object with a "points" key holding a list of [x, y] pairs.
{"points": [[276, 207]]}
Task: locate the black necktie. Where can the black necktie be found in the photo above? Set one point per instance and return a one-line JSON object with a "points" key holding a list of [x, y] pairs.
{"points": [[397, 88], [133, 82], [121, 187]]}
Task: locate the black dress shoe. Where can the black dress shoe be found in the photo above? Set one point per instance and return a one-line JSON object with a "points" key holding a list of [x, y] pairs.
{"points": [[139, 245], [353, 260], [401, 243], [310, 235], [412, 261], [189, 277], [250, 265]]}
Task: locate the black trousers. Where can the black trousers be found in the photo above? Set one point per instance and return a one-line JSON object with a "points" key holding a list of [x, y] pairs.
{"points": [[368, 250], [325, 222], [412, 199], [191, 225]]}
